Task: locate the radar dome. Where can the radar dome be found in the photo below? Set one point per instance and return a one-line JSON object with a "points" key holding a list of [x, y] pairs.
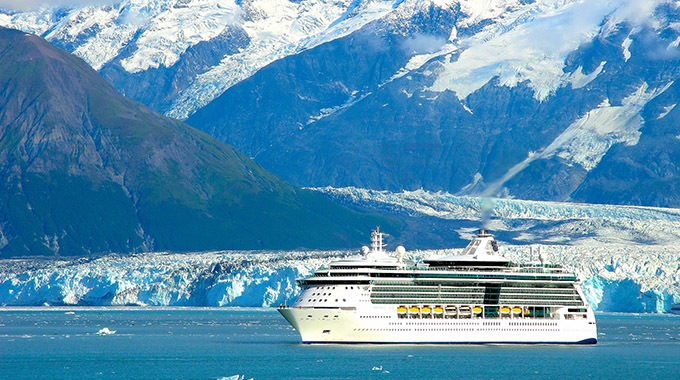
{"points": [[400, 250], [542, 256], [365, 250]]}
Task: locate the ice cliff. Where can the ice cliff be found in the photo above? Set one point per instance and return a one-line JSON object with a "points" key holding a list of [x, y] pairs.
{"points": [[200, 279], [615, 278]]}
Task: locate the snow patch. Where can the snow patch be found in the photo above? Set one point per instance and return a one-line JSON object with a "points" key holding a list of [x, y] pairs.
{"points": [[174, 29], [666, 110], [528, 45], [587, 140], [579, 80], [626, 48]]}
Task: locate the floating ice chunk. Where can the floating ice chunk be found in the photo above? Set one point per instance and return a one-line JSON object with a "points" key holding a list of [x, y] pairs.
{"points": [[106, 331], [234, 377]]}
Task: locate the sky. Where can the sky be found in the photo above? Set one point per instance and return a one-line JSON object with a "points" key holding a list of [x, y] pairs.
{"points": [[22, 5]]}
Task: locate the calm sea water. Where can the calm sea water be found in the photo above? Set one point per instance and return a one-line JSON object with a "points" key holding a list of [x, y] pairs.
{"points": [[49, 343]]}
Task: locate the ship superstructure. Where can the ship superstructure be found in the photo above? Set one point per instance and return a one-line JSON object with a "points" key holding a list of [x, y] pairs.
{"points": [[478, 296]]}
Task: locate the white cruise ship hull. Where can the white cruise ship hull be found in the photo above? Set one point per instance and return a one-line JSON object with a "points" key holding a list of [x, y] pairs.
{"points": [[347, 325]]}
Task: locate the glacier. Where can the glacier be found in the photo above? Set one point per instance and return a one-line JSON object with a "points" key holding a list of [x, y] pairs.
{"points": [[523, 221], [615, 278], [159, 279], [626, 257]]}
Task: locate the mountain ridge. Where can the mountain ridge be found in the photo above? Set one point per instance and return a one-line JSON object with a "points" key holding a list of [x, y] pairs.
{"points": [[88, 171]]}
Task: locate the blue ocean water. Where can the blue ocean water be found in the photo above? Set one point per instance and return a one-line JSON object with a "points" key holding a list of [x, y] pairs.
{"points": [[55, 343]]}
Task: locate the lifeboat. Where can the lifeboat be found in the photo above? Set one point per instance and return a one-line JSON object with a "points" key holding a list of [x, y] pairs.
{"points": [[464, 310], [401, 310], [438, 310], [450, 309], [426, 309], [414, 309], [516, 310], [477, 310], [505, 310], [526, 312]]}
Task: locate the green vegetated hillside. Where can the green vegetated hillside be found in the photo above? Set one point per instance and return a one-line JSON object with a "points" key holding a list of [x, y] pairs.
{"points": [[84, 170]]}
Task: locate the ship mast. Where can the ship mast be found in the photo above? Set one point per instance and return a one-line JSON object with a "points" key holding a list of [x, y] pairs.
{"points": [[377, 240]]}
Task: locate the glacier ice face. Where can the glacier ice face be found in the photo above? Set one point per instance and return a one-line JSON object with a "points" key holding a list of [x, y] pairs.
{"points": [[620, 277], [617, 278], [200, 279]]}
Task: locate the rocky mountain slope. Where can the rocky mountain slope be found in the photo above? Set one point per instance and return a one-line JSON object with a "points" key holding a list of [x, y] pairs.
{"points": [[86, 170]]}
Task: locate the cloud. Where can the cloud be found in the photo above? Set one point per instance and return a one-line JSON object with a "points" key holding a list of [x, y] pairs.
{"points": [[423, 44], [657, 48], [636, 13], [28, 5]]}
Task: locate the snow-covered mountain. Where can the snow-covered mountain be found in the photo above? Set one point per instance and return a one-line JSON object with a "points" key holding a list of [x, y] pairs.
{"points": [[626, 257], [547, 100], [178, 55], [544, 99]]}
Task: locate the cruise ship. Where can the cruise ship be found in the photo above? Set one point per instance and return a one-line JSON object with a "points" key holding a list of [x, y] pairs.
{"points": [[476, 297]]}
